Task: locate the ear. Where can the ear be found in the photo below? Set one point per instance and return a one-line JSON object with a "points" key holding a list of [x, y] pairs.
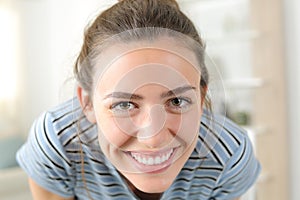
{"points": [[86, 104]]}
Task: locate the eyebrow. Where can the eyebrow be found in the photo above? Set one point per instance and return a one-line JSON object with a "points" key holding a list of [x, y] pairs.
{"points": [[125, 95], [177, 91]]}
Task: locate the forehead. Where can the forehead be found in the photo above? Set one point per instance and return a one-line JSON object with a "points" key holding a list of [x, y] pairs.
{"points": [[152, 56], [162, 62]]}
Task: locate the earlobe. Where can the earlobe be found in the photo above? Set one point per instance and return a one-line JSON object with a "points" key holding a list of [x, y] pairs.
{"points": [[86, 104]]}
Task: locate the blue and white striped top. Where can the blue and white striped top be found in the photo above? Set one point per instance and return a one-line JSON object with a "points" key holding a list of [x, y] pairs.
{"points": [[222, 165]]}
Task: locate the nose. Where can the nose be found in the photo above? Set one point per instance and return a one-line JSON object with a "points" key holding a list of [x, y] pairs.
{"points": [[151, 128]]}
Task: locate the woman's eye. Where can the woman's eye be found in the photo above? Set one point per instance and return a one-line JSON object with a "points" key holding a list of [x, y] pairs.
{"points": [[179, 104], [176, 102], [124, 106]]}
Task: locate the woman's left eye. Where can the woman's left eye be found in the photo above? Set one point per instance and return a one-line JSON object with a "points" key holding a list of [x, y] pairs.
{"points": [[179, 104]]}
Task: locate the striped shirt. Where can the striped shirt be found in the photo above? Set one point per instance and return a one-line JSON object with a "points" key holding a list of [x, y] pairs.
{"points": [[222, 165]]}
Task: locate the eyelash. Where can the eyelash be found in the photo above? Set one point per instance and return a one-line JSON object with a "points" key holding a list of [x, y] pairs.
{"points": [[115, 105], [186, 101], [169, 106]]}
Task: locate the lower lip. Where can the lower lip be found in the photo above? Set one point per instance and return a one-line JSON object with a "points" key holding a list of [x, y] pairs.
{"points": [[153, 169]]}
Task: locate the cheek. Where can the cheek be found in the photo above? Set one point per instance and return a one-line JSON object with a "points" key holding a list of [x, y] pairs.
{"points": [[110, 132], [186, 126]]}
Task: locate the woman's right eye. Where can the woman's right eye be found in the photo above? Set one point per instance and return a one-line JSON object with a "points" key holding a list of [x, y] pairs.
{"points": [[124, 106]]}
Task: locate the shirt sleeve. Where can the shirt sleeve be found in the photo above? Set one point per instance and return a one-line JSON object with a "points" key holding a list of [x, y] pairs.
{"points": [[43, 158], [239, 174]]}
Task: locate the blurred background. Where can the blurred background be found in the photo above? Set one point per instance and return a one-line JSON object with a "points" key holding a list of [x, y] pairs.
{"points": [[255, 45]]}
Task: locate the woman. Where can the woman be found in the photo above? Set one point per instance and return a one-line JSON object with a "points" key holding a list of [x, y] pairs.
{"points": [[133, 131]]}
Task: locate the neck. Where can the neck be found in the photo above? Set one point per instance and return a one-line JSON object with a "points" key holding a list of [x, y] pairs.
{"points": [[146, 196], [140, 194]]}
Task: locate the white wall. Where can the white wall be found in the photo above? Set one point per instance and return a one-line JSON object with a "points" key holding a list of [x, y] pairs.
{"points": [[292, 47], [51, 34]]}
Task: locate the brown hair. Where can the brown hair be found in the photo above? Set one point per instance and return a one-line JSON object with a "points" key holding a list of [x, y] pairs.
{"points": [[134, 15]]}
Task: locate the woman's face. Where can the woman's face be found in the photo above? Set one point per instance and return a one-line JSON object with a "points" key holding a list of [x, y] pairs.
{"points": [[147, 106]]}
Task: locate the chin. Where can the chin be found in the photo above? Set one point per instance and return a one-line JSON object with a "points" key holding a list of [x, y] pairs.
{"points": [[152, 183], [153, 187]]}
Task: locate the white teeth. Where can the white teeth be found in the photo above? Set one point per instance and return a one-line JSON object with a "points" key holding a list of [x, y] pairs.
{"points": [[152, 160], [157, 160], [144, 160]]}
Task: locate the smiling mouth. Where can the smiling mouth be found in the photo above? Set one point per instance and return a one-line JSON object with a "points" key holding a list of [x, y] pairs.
{"points": [[151, 159]]}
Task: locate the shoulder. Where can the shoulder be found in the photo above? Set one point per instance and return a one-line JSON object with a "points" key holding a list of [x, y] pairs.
{"points": [[44, 156], [68, 122], [220, 138], [55, 133], [64, 116], [227, 147]]}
